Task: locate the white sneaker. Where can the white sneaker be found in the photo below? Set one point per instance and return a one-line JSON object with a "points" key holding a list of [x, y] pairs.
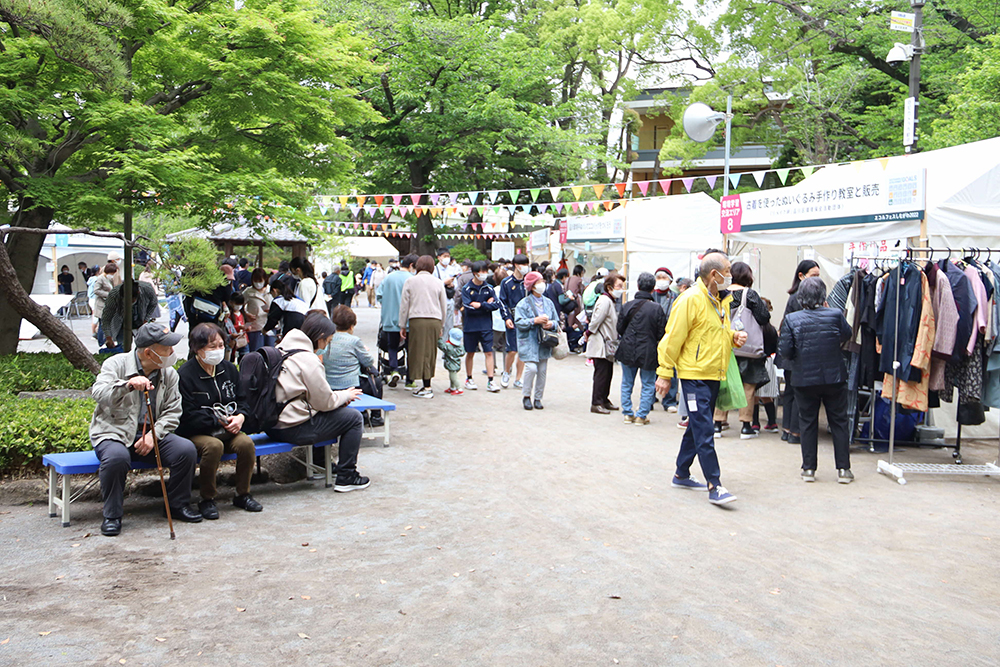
{"points": [[492, 386], [518, 384], [505, 379], [470, 385], [671, 408], [424, 392]]}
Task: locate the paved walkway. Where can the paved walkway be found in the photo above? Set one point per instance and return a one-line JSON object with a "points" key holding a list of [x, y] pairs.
{"points": [[494, 536]]}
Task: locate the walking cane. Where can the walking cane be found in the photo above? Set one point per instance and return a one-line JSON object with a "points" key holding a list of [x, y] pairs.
{"points": [[159, 464]]}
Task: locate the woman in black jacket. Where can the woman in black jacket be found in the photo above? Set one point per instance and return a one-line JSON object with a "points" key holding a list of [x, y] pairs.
{"points": [[810, 347], [214, 410], [640, 328], [807, 268], [753, 372]]}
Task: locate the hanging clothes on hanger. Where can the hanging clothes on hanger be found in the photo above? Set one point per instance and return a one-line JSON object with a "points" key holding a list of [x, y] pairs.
{"points": [[913, 394], [898, 332], [991, 380], [965, 302], [945, 324]]}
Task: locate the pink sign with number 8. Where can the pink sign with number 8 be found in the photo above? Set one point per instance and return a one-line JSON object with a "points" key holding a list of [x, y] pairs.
{"points": [[731, 214]]}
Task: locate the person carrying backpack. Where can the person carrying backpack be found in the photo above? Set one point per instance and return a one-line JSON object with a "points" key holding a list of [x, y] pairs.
{"points": [[312, 412]]}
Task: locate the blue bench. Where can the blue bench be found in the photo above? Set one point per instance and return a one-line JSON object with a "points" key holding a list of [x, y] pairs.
{"points": [[68, 464], [366, 402]]}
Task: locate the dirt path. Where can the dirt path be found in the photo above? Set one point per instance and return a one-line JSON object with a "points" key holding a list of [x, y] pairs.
{"points": [[495, 536]]}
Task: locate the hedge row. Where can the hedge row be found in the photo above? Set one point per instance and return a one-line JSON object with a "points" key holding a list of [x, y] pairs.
{"points": [[31, 427]]}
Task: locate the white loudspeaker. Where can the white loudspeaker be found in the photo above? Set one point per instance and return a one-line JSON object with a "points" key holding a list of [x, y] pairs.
{"points": [[700, 122]]}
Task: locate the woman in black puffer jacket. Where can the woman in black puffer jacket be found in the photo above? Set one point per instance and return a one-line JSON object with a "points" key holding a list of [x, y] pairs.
{"points": [[810, 348]]}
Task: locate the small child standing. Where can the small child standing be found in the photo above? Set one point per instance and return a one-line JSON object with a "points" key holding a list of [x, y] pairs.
{"points": [[236, 327], [453, 349]]}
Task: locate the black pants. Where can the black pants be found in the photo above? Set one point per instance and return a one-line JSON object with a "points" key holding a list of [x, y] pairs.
{"points": [[177, 453], [834, 397], [344, 423], [603, 371], [789, 411], [394, 343]]}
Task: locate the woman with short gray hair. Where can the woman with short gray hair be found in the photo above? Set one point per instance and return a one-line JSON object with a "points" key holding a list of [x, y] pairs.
{"points": [[640, 328], [809, 347]]}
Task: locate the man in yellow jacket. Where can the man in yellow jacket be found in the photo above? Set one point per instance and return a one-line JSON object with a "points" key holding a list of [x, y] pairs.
{"points": [[697, 344]]}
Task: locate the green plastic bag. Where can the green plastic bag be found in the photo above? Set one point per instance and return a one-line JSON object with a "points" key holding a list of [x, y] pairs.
{"points": [[731, 394]]}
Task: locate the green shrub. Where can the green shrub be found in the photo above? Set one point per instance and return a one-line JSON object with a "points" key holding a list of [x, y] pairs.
{"points": [[41, 371], [465, 251], [31, 427]]}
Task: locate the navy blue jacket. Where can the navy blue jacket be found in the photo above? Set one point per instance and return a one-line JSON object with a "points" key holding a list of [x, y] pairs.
{"points": [[478, 319], [810, 346], [511, 293]]}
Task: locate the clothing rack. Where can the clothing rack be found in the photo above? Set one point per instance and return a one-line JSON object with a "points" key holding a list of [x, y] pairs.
{"points": [[899, 470]]}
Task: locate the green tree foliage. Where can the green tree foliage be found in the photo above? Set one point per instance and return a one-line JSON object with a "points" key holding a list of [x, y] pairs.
{"points": [[815, 74], [196, 260], [972, 113], [463, 251], [109, 104]]}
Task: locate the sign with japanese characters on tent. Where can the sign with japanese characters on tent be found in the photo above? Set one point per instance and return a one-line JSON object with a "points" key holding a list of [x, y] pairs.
{"points": [[854, 198], [596, 228]]}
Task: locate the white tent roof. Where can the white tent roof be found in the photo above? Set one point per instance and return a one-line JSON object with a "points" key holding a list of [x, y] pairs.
{"points": [[372, 247], [962, 197], [669, 224]]}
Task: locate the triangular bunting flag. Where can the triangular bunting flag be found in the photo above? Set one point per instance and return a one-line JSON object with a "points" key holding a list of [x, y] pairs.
{"points": [[361, 200], [514, 194], [378, 199], [599, 189], [415, 199], [621, 188], [711, 181], [858, 165], [576, 207], [473, 196], [370, 210], [555, 193], [337, 207], [665, 186], [417, 211], [688, 183], [559, 207], [493, 194], [643, 187], [884, 161], [607, 205], [735, 180], [322, 210], [344, 199], [354, 210], [534, 194], [759, 177], [577, 191], [510, 209], [397, 199], [403, 210], [482, 210], [807, 171], [782, 175]]}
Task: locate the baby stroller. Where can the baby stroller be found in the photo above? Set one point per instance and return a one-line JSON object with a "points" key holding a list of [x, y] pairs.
{"points": [[384, 368]]}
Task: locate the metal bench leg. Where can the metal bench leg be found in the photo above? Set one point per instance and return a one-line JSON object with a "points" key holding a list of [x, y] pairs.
{"points": [[328, 450], [310, 466], [66, 500], [385, 429], [52, 491]]}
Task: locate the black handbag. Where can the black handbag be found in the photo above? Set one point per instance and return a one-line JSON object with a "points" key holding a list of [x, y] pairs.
{"points": [[547, 338]]}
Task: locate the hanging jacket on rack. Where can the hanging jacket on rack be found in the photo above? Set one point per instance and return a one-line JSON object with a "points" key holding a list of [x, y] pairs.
{"points": [[945, 323], [965, 301], [913, 394], [898, 334]]}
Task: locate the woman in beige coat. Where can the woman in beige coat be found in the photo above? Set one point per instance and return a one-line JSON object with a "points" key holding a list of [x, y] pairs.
{"points": [[602, 338], [422, 309]]}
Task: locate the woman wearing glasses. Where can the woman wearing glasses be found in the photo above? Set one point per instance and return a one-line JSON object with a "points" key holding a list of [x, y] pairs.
{"points": [[214, 411]]}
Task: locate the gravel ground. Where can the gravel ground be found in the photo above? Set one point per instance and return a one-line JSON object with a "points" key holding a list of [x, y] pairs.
{"points": [[491, 535]]}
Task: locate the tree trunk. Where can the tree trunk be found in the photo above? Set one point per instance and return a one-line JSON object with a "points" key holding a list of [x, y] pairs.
{"points": [[425, 230], [21, 252], [18, 300]]}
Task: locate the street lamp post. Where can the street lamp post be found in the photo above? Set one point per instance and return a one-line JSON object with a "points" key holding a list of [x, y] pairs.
{"points": [[916, 42]]}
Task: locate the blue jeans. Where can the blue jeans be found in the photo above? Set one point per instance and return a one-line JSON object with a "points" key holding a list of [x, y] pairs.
{"points": [[255, 340], [647, 394], [671, 397], [699, 438]]}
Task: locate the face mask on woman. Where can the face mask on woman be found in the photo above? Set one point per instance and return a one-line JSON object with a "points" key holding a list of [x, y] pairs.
{"points": [[213, 357], [258, 286], [662, 285], [538, 289], [617, 293]]}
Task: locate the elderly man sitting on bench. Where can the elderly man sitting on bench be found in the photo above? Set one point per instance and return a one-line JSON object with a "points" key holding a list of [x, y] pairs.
{"points": [[120, 418]]}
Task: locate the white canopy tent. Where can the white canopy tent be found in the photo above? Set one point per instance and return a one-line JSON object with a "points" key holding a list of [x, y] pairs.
{"points": [[671, 232]]}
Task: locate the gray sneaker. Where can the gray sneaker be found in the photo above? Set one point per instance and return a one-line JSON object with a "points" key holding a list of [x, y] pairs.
{"points": [[845, 476], [808, 475], [505, 379], [518, 384]]}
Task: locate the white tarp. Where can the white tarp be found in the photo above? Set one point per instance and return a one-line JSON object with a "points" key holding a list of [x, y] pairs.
{"points": [[962, 197], [670, 231]]}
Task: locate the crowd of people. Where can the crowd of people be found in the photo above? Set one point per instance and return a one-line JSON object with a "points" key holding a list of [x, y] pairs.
{"points": [[678, 338]]}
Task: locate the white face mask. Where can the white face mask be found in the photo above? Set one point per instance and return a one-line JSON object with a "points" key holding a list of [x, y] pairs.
{"points": [[213, 357], [663, 285], [258, 285], [522, 270], [166, 362], [481, 277], [239, 309], [445, 261], [726, 283], [539, 288], [617, 293]]}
